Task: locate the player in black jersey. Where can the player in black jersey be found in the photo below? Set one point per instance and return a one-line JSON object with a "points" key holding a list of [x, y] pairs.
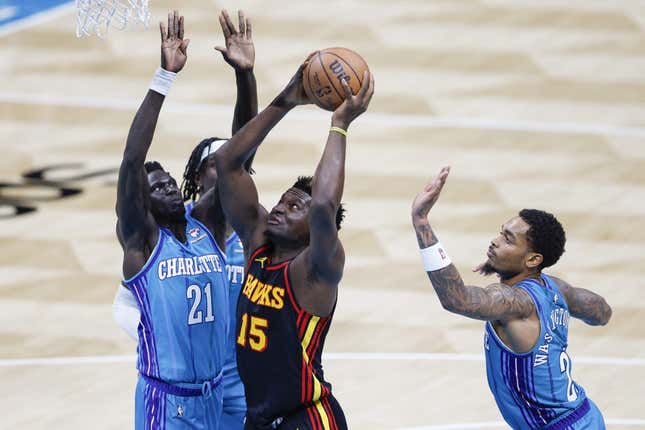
{"points": [[294, 264]]}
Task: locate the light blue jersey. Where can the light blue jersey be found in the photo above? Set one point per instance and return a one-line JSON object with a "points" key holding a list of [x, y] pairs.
{"points": [[234, 407], [234, 400], [535, 390], [182, 292]]}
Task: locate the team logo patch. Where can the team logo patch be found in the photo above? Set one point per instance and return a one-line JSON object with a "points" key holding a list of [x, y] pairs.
{"points": [[194, 232]]}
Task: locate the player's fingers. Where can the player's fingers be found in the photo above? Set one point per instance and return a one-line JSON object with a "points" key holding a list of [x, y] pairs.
{"points": [[443, 175], [429, 185], [241, 22], [169, 25], [249, 29], [162, 30], [367, 77], [229, 23], [220, 49], [181, 27], [175, 24], [172, 27], [346, 89], [370, 90], [222, 23], [300, 71]]}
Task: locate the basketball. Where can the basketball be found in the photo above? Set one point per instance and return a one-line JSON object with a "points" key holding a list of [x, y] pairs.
{"points": [[322, 76]]}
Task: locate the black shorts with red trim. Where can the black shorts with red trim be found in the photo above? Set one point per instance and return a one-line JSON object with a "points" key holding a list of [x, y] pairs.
{"points": [[325, 414]]}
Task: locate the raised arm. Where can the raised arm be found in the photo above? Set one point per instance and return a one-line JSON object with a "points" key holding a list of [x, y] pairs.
{"points": [[135, 222], [239, 53], [495, 302], [237, 191], [325, 256], [584, 304]]}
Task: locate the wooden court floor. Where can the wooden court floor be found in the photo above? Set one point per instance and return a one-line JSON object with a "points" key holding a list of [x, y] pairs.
{"points": [[533, 104]]}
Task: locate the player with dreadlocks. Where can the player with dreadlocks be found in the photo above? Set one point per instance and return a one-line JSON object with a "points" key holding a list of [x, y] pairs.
{"points": [[527, 316], [200, 176]]}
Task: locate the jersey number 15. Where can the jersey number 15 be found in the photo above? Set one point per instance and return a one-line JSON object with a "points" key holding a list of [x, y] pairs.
{"points": [[254, 333]]}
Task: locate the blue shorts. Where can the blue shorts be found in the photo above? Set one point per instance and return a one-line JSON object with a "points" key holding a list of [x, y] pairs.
{"points": [[586, 417], [592, 420], [234, 409], [159, 410]]}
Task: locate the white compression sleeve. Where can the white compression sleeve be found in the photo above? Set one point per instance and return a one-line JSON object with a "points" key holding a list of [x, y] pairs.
{"points": [[126, 312]]}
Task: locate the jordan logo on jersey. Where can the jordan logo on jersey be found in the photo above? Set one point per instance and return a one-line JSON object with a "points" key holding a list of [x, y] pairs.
{"points": [[261, 261]]}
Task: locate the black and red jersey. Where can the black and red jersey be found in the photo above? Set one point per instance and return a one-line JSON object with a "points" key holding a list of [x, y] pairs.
{"points": [[279, 348]]}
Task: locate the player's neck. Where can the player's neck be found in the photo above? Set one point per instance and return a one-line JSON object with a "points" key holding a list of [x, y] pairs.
{"points": [[520, 277], [285, 251], [177, 228]]}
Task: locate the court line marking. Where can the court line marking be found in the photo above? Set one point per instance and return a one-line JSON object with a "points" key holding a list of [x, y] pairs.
{"points": [[363, 356], [38, 18], [357, 356], [423, 121], [502, 424]]}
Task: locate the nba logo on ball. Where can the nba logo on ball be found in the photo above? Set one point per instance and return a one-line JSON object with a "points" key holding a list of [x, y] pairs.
{"points": [[326, 69]]}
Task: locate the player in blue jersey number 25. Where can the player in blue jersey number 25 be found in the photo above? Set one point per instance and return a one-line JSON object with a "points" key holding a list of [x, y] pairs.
{"points": [[526, 313]]}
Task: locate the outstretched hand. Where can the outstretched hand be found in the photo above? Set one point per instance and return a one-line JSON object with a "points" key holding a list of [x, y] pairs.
{"points": [[354, 105], [239, 51], [173, 45], [294, 93], [425, 200]]}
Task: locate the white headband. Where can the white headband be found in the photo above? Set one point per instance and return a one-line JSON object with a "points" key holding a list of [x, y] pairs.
{"points": [[210, 149]]}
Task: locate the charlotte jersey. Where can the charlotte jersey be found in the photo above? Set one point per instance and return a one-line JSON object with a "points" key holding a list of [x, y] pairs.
{"points": [[535, 389], [279, 347], [182, 292], [233, 387]]}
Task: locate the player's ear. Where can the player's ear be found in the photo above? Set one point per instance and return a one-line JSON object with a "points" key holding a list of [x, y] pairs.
{"points": [[533, 260]]}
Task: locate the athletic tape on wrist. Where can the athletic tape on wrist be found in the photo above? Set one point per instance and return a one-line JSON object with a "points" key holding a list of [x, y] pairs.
{"points": [[162, 81], [435, 257]]}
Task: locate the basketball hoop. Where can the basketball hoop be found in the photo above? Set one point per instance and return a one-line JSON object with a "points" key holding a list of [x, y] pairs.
{"points": [[98, 16]]}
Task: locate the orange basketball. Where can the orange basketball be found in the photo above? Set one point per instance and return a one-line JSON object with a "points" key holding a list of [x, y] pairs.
{"points": [[322, 76]]}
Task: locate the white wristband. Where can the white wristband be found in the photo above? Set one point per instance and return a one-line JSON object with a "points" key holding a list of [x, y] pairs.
{"points": [[435, 257], [162, 81]]}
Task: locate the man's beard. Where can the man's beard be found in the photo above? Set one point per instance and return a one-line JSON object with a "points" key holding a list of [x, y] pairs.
{"points": [[488, 269]]}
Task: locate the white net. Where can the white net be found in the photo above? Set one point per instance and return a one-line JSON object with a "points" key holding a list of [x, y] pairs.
{"points": [[98, 16]]}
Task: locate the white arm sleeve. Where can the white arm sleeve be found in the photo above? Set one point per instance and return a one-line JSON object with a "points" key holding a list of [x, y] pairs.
{"points": [[126, 312]]}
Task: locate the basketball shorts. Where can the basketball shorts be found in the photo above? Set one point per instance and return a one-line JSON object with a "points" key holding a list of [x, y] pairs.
{"points": [[325, 414], [586, 417], [593, 420], [161, 406], [234, 408]]}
